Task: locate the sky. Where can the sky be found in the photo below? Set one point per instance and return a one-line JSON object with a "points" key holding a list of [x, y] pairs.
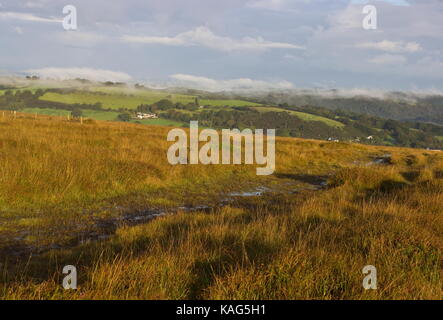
{"points": [[230, 44]]}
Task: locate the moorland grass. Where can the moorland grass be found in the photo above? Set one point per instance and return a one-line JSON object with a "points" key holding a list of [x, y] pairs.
{"points": [[56, 175]]}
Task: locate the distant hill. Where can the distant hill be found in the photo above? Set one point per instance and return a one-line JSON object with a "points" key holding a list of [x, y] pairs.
{"points": [[398, 119], [395, 105]]}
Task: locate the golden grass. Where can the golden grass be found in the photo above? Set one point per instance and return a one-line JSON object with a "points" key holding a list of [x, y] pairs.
{"points": [[310, 245]]}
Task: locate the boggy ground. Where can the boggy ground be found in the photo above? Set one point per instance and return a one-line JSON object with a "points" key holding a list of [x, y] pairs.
{"points": [[58, 179]]}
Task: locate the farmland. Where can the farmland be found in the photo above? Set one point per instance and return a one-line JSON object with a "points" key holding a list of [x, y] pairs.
{"points": [[116, 99], [218, 110], [99, 115], [303, 115]]}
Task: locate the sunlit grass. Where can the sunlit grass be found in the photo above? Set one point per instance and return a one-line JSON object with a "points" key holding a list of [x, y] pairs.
{"points": [[56, 176]]}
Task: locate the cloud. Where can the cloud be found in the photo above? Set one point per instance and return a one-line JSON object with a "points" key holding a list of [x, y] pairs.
{"points": [[232, 84], [293, 6], [80, 38], [372, 93], [392, 2], [388, 59], [34, 4], [26, 17], [172, 41], [83, 73], [391, 46], [163, 38], [267, 4], [203, 36]]}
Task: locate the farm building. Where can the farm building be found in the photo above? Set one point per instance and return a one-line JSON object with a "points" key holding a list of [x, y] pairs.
{"points": [[141, 115]]}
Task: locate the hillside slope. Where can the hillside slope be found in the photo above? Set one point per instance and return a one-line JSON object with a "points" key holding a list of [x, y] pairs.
{"points": [[300, 239]]}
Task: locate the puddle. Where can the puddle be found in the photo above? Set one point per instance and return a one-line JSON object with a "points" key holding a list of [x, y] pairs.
{"points": [[385, 159], [104, 229]]}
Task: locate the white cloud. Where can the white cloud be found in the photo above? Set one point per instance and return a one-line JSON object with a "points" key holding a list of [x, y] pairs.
{"points": [[267, 4], [79, 38], [388, 59], [172, 41], [83, 73], [373, 93], [26, 17], [34, 4], [203, 36], [391, 2], [277, 5], [391, 46], [348, 18], [231, 84]]}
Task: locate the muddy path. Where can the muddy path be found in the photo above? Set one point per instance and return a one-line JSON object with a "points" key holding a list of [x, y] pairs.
{"points": [[103, 229]]}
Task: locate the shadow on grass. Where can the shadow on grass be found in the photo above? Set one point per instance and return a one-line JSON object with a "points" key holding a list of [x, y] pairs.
{"points": [[316, 180], [411, 176], [248, 253], [385, 191], [438, 174]]}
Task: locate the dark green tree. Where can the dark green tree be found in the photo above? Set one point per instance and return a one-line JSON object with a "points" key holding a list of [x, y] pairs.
{"points": [[77, 113], [125, 117]]}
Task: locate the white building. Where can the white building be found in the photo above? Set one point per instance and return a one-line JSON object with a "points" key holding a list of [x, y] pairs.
{"points": [[141, 115]]}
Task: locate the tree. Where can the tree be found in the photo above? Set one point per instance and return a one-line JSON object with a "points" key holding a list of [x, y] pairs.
{"points": [[164, 104], [38, 93], [125, 117], [77, 113]]}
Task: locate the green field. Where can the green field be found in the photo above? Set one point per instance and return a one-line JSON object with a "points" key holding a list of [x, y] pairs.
{"points": [[228, 103], [47, 112], [92, 114], [107, 101], [32, 89], [154, 96], [303, 116], [101, 115], [131, 102], [113, 99]]}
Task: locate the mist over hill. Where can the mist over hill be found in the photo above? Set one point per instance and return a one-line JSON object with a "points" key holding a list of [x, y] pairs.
{"points": [[409, 119], [416, 105], [426, 106]]}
